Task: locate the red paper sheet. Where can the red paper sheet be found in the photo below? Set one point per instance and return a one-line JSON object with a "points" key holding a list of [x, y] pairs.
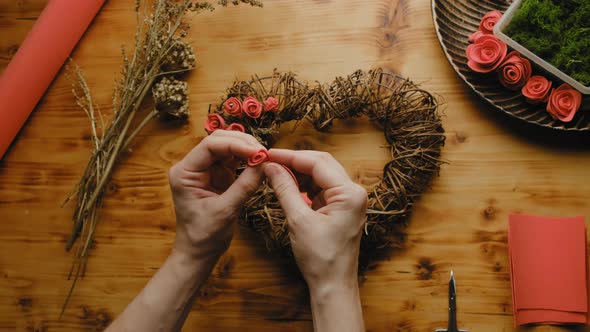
{"points": [[549, 269], [38, 60]]}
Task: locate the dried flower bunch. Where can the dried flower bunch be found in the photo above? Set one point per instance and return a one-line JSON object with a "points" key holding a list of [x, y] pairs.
{"points": [[160, 58], [407, 115]]}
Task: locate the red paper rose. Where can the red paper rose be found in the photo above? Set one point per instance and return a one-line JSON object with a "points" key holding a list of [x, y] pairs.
{"points": [[214, 121], [271, 104], [564, 102], [475, 36], [489, 21], [236, 127], [515, 71], [258, 158], [486, 54], [252, 107], [537, 89], [233, 106]]}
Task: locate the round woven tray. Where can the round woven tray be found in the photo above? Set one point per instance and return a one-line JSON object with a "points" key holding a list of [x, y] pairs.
{"points": [[454, 21]]}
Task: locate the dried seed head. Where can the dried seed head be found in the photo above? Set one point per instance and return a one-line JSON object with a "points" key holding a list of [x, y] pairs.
{"points": [[180, 56], [171, 97]]}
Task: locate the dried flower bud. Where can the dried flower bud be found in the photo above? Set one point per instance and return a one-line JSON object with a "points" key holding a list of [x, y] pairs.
{"points": [[180, 56], [171, 97]]}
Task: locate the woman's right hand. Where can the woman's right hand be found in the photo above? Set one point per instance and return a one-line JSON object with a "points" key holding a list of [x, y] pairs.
{"points": [[325, 240]]}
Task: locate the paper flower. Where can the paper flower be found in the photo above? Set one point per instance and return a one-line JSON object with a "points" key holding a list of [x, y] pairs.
{"points": [[489, 21], [537, 89], [233, 106], [258, 158], [236, 127], [475, 36], [486, 54], [514, 71], [271, 104], [252, 107], [564, 102], [214, 121]]}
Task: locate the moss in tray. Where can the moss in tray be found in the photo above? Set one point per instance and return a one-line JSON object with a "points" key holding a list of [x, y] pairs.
{"points": [[557, 31]]}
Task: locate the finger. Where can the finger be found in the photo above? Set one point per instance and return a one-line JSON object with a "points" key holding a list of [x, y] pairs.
{"points": [[287, 192], [218, 147], [236, 134], [321, 166], [243, 188]]}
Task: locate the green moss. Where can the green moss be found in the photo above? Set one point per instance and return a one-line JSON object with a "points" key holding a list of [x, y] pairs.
{"points": [[557, 31]]}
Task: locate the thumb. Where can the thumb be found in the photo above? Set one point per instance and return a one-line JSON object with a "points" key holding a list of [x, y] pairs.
{"points": [[286, 190], [243, 187]]}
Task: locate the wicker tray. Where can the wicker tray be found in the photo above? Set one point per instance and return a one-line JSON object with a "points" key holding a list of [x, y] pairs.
{"points": [[454, 21]]}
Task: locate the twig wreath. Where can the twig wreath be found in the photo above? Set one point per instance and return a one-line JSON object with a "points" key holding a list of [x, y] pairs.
{"points": [[407, 115]]}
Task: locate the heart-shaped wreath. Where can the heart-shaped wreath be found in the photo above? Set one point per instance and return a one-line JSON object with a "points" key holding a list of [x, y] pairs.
{"points": [[407, 115]]}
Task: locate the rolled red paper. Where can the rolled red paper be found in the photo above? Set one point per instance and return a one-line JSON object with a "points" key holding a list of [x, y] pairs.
{"points": [[258, 158], [292, 175], [47, 46]]}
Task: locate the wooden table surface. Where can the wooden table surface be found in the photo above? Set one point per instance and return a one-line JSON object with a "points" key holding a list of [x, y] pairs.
{"points": [[496, 166]]}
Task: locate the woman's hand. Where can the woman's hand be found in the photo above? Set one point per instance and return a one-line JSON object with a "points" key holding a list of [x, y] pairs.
{"points": [[207, 200], [325, 241]]}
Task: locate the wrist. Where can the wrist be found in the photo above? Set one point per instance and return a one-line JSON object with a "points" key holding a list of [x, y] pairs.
{"points": [[322, 293], [330, 301], [191, 262], [200, 250]]}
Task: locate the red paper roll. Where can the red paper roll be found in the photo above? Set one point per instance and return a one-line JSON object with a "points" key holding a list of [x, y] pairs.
{"points": [[38, 60]]}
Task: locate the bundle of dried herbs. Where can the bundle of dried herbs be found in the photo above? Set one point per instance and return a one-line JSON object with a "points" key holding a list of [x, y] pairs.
{"points": [[156, 68]]}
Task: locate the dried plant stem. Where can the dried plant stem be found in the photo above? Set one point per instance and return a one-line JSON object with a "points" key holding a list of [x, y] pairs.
{"points": [[139, 128]]}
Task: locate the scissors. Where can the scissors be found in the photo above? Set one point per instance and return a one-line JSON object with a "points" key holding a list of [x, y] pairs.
{"points": [[452, 308]]}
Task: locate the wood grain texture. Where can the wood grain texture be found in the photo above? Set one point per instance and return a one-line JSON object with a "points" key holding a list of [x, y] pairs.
{"points": [[495, 166], [455, 21]]}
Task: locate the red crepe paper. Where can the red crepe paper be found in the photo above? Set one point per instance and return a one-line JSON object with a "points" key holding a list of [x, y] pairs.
{"points": [[214, 121], [236, 127], [38, 60], [306, 199], [549, 270], [258, 158], [233, 106], [252, 107], [564, 102], [292, 175]]}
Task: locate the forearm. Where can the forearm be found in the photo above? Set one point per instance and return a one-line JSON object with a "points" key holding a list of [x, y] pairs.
{"points": [[166, 300], [337, 308]]}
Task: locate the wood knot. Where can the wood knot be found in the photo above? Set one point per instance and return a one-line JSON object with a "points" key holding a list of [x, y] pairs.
{"points": [[303, 144], [98, 319], [497, 267], [409, 305], [25, 303], [225, 266], [460, 138], [403, 326], [489, 213], [425, 268]]}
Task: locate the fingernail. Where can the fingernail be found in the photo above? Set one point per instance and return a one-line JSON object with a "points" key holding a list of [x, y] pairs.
{"points": [[272, 169]]}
